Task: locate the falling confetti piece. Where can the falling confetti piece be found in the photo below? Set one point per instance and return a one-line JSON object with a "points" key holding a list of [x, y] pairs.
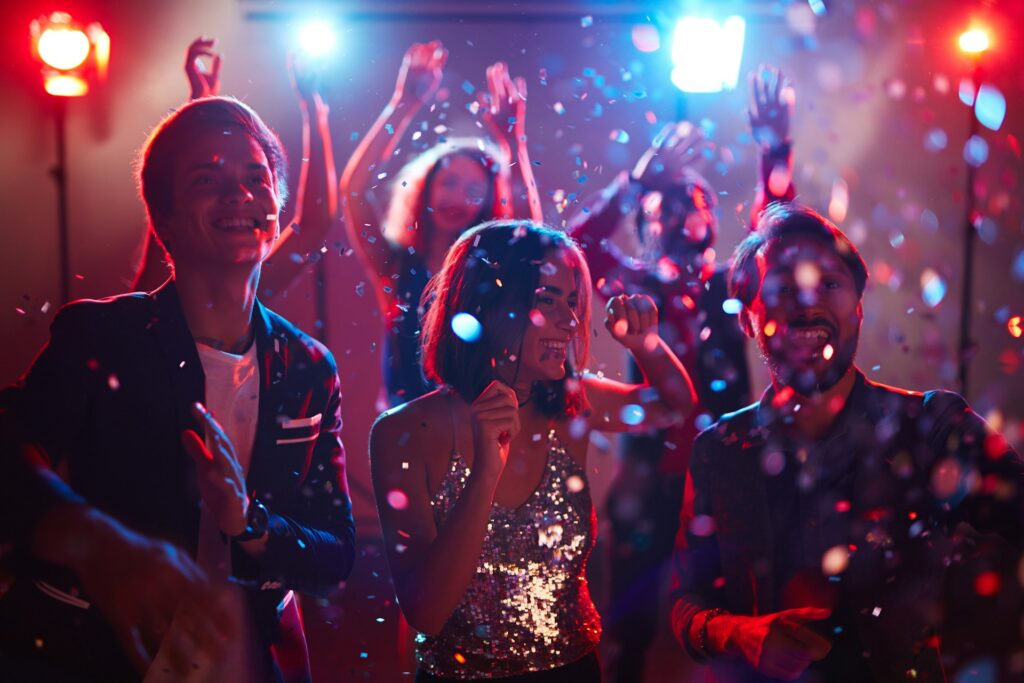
{"points": [[632, 414], [770, 328], [732, 306], [1014, 326], [620, 136], [990, 107], [574, 483], [587, 21], [835, 560], [840, 201], [398, 499], [466, 327], [976, 151], [933, 288], [646, 38]]}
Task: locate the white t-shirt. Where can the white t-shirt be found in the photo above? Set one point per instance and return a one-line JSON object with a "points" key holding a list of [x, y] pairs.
{"points": [[232, 396]]}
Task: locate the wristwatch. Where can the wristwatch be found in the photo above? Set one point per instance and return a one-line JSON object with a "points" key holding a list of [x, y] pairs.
{"points": [[257, 519]]}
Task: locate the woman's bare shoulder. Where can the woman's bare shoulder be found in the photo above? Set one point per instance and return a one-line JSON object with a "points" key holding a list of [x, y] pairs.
{"points": [[423, 422]]}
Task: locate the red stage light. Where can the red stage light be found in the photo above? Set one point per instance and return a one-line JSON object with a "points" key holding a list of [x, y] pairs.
{"points": [[71, 55], [974, 41], [63, 47]]}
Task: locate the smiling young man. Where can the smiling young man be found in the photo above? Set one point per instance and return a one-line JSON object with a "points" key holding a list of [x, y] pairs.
{"points": [[173, 464], [826, 527]]}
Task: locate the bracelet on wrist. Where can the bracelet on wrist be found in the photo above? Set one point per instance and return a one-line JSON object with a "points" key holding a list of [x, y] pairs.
{"points": [[702, 634]]}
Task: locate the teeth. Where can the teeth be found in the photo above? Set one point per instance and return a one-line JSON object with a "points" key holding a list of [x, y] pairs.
{"points": [[236, 223], [809, 335], [554, 345]]}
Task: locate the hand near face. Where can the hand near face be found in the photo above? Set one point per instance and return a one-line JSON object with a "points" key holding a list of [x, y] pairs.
{"points": [[420, 74], [781, 644], [676, 147], [495, 421], [631, 319], [505, 108], [220, 477], [772, 99], [202, 82]]}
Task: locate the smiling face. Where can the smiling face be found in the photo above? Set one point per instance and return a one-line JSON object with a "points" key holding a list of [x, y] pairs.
{"points": [[225, 207], [554, 323], [806, 315], [456, 194]]}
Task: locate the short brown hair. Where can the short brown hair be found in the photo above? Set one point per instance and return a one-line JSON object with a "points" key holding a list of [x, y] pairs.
{"points": [[160, 152], [782, 220]]}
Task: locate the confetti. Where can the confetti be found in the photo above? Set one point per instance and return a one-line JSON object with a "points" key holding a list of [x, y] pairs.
{"points": [[990, 107], [466, 327], [632, 414], [835, 560]]}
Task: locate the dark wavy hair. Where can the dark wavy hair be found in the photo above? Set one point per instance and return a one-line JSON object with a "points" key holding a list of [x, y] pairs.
{"points": [[159, 154], [492, 272], [782, 220]]}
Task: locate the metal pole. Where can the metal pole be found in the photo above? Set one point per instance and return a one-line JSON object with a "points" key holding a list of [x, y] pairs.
{"points": [[59, 173], [966, 345]]}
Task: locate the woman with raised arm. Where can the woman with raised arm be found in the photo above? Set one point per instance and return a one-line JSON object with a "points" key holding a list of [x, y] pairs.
{"points": [[438, 194], [481, 484], [316, 202]]}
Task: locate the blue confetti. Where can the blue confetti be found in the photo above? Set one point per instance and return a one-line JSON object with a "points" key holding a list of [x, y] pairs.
{"points": [[718, 385], [1018, 266], [587, 21], [703, 421], [466, 327], [632, 414], [976, 151], [990, 107], [817, 6], [935, 140], [468, 87], [732, 306], [967, 92], [389, 128], [933, 288]]}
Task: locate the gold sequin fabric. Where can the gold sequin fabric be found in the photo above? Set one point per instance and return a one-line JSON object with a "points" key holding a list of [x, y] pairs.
{"points": [[528, 607]]}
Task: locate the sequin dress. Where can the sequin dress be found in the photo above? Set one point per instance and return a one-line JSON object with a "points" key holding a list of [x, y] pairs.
{"points": [[528, 607]]}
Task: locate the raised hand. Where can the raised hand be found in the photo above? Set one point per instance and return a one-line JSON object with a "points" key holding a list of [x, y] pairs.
{"points": [[676, 147], [420, 74], [202, 81], [219, 475], [495, 420], [780, 644], [631, 318], [305, 75], [504, 110], [772, 98]]}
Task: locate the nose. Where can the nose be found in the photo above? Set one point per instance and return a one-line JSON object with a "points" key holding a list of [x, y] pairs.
{"points": [[567, 319], [236, 192]]}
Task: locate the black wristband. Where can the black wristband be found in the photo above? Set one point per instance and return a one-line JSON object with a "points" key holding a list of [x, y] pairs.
{"points": [[257, 520]]}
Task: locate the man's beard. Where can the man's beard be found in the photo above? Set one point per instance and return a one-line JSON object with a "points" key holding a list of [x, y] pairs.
{"points": [[807, 382]]}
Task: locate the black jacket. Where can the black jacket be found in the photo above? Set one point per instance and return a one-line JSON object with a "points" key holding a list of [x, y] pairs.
{"points": [[106, 400]]}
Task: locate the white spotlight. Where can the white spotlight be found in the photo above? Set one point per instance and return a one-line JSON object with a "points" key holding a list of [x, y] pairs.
{"points": [[706, 54]]}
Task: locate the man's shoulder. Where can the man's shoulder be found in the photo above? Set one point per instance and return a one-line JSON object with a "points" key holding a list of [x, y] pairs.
{"points": [[310, 350], [98, 314], [731, 427]]}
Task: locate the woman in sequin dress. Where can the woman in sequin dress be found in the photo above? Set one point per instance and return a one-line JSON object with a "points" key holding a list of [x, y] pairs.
{"points": [[481, 484]]}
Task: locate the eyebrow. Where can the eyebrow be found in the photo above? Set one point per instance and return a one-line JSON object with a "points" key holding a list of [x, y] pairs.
{"points": [[556, 290], [214, 166]]}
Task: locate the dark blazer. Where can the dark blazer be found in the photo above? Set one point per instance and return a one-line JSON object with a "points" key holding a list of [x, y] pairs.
{"points": [[892, 483], [106, 400]]}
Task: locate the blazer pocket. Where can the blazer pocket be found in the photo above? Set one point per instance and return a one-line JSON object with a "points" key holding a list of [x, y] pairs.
{"points": [[297, 430]]}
